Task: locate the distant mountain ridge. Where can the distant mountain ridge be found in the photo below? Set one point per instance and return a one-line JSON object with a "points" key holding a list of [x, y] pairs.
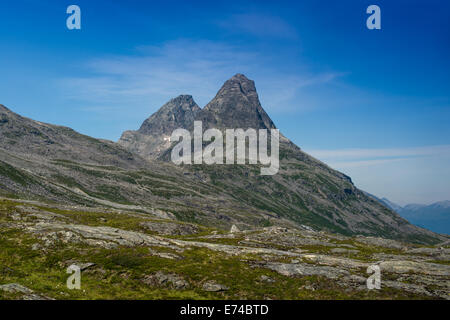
{"points": [[435, 216]]}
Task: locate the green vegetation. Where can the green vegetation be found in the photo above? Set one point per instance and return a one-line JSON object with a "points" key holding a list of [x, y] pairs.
{"points": [[119, 273], [15, 175]]}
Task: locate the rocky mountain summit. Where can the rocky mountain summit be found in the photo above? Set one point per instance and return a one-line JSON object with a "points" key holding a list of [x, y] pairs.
{"points": [[153, 137], [236, 105], [177, 113]]}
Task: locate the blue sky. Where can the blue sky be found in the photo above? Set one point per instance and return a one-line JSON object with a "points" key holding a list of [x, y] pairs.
{"points": [[374, 104]]}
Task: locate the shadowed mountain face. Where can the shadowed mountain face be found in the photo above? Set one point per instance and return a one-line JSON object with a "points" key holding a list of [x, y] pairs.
{"points": [[177, 113], [47, 162], [236, 105]]}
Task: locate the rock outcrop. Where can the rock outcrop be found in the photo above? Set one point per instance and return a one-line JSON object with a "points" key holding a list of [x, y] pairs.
{"points": [[201, 263], [153, 137]]}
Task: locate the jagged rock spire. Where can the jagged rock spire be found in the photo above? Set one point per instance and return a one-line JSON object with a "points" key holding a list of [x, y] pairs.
{"points": [[236, 105], [177, 113]]}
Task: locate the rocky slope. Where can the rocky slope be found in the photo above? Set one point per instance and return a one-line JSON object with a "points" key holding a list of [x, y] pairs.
{"points": [[50, 163], [305, 191], [34, 140]]}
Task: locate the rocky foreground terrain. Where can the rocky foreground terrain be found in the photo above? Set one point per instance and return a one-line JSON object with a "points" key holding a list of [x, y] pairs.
{"points": [[130, 255]]}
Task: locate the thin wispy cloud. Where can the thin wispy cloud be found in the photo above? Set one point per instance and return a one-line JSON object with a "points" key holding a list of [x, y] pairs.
{"points": [[155, 74], [342, 165], [404, 175], [352, 154]]}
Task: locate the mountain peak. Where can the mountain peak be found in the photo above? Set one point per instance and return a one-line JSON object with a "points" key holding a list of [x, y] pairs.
{"points": [[239, 77], [183, 98], [236, 105], [239, 85], [179, 112], [182, 102], [152, 137]]}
